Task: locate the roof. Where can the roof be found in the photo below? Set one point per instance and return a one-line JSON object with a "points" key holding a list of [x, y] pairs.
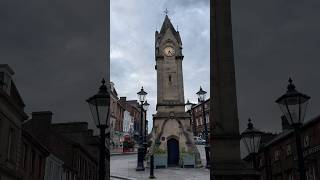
{"points": [[287, 133], [31, 138], [168, 25], [196, 105]]}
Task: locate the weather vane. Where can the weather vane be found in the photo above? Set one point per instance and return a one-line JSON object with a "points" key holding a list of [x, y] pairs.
{"points": [[166, 11]]}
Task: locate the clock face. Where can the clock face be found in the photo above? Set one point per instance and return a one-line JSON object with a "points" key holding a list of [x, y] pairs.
{"points": [[169, 51]]}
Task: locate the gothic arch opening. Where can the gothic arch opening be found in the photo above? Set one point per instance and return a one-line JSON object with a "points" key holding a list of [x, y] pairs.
{"points": [[173, 151]]}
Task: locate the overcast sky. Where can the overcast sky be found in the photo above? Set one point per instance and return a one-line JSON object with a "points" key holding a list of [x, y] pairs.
{"points": [[133, 26], [58, 52], [57, 49]]}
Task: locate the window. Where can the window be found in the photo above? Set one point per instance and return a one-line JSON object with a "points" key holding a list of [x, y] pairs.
{"points": [[5, 82], [289, 150], [67, 175], [290, 176], [207, 118], [11, 143], [276, 155], [306, 141], [24, 155], [33, 160], [39, 166], [260, 162], [310, 173]]}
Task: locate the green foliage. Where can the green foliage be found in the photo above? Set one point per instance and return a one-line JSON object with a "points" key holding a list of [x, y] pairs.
{"points": [[128, 144], [184, 152], [158, 150]]}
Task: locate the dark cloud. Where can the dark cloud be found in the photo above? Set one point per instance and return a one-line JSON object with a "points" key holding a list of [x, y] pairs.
{"points": [[274, 40], [58, 50]]}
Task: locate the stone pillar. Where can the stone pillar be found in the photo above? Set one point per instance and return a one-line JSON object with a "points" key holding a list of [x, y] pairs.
{"points": [[225, 152]]}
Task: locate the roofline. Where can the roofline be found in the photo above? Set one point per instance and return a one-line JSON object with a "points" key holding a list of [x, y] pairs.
{"points": [[290, 131], [200, 103]]}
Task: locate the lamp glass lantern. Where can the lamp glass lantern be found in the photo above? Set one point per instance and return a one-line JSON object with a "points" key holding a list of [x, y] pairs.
{"points": [[251, 138], [99, 105], [293, 104], [188, 105], [146, 106], [142, 95], [201, 94]]}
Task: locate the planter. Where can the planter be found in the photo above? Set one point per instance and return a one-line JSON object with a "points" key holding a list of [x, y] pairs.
{"points": [[188, 160], [160, 160]]}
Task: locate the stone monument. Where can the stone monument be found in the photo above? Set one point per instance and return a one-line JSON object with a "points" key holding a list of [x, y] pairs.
{"points": [[225, 151], [172, 136]]}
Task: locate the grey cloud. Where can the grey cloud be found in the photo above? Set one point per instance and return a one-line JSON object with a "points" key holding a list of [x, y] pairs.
{"points": [[58, 51], [274, 40]]}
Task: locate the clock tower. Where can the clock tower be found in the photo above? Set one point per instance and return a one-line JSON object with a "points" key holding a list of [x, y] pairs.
{"points": [[172, 133], [168, 55]]}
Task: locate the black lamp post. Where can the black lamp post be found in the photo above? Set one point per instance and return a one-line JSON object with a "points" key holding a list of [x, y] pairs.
{"points": [[99, 105], [293, 104], [202, 96], [145, 144], [142, 98], [188, 107], [251, 138]]}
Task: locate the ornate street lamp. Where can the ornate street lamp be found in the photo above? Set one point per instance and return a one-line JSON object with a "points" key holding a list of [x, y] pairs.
{"points": [[293, 104], [142, 98], [188, 108], [145, 144], [100, 107], [188, 105], [202, 96], [251, 138]]}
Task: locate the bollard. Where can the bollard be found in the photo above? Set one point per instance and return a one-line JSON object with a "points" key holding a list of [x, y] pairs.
{"points": [[151, 167]]}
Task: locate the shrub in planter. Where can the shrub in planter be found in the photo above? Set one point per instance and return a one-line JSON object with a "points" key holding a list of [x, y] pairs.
{"points": [[160, 157], [187, 158]]}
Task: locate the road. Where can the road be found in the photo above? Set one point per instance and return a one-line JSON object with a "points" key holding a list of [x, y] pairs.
{"points": [[124, 166]]}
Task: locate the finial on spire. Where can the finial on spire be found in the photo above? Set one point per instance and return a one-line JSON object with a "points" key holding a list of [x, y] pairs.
{"points": [[166, 11]]}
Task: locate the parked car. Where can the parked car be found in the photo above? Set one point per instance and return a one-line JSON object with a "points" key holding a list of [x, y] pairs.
{"points": [[199, 140]]}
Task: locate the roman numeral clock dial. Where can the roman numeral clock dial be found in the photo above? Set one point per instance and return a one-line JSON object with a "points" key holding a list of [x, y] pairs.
{"points": [[169, 51]]}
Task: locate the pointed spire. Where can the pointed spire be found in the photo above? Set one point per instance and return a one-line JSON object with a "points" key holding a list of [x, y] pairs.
{"points": [[166, 25]]}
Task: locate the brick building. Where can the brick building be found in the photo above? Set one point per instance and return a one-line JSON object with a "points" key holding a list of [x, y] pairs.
{"points": [[133, 107], [33, 158], [197, 121], [11, 117], [78, 162], [124, 118], [116, 118], [277, 158]]}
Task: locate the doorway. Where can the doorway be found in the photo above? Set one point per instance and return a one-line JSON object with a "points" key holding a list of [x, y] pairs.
{"points": [[173, 152]]}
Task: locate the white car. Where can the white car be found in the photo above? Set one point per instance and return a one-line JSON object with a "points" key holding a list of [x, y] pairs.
{"points": [[199, 140]]}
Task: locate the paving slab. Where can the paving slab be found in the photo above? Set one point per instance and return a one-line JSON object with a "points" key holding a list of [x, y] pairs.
{"points": [[123, 167]]}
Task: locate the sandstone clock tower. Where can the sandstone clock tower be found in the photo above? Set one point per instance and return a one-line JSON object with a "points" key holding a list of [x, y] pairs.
{"points": [[172, 132]]}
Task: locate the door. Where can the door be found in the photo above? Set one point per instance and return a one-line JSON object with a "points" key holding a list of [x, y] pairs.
{"points": [[173, 152]]}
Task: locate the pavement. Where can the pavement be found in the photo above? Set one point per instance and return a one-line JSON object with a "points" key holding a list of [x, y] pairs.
{"points": [[123, 167], [119, 151]]}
